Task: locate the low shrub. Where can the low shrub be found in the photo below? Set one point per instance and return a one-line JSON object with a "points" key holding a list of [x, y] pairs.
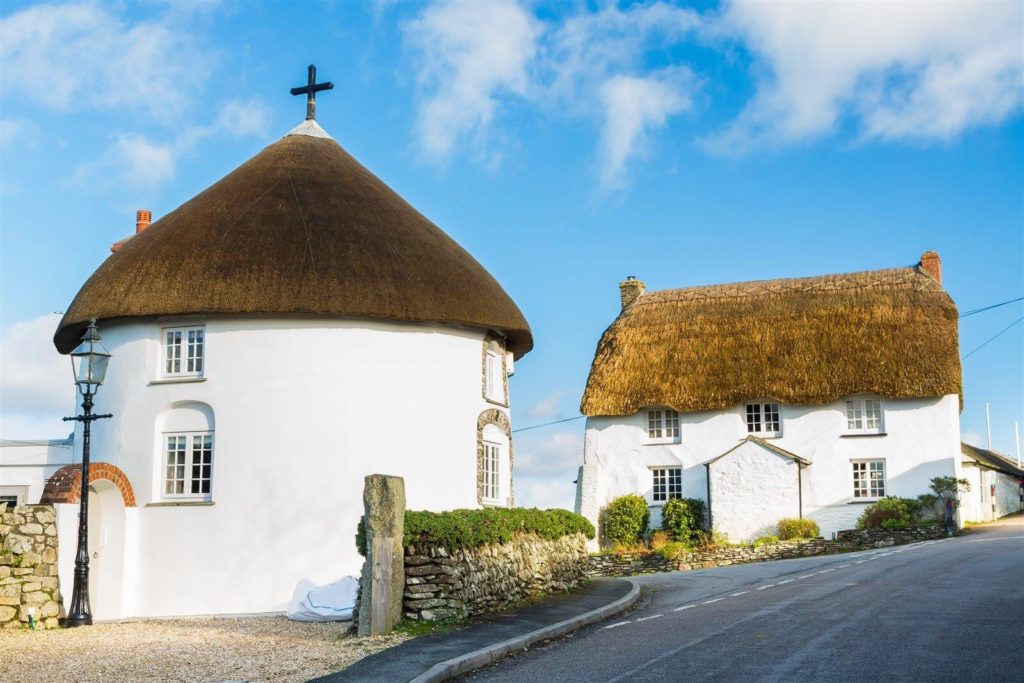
{"points": [[930, 508], [791, 528], [683, 519], [894, 524], [467, 529], [626, 519], [885, 509], [659, 539], [764, 540], [674, 550]]}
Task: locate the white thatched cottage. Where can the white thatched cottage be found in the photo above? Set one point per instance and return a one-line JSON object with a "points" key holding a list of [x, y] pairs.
{"points": [[801, 397], [287, 331]]}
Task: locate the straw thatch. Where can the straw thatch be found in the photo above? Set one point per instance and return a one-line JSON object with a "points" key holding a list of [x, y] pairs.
{"points": [[302, 228], [800, 341]]}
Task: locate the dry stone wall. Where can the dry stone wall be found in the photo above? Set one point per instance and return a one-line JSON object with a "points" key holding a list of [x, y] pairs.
{"points": [[631, 564], [28, 567], [442, 584]]}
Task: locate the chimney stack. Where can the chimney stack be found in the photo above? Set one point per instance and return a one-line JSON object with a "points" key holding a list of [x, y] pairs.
{"points": [[143, 217], [630, 290], [932, 264]]}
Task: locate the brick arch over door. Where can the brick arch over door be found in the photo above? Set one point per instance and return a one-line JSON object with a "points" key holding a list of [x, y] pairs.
{"points": [[492, 416], [65, 486]]}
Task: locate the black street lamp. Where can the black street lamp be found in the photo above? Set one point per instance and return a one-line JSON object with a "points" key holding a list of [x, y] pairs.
{"points": [[89, 363]]}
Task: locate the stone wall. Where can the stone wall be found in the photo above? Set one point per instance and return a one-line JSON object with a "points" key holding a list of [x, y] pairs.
{"points": [[611, 564], [28, 566], [443, 584], [880, 538]]}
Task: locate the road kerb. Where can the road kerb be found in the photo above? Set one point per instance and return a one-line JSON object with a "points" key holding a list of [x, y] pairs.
{"points": [[456, 666]]}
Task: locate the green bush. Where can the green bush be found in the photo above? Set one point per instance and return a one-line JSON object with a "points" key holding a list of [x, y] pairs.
{"points": [[894, 524], [626, 519], [797, 528], [467, 529], [885, 509], [683, 519], [764, 540]]}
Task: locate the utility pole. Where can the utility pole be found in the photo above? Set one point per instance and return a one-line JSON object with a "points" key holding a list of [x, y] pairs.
{"points": [[988, 427], [1016, 435]]}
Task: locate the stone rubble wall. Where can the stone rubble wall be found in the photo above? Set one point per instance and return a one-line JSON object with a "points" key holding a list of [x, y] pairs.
{"points": [[631, 564], [443, 584], [28, 566]]}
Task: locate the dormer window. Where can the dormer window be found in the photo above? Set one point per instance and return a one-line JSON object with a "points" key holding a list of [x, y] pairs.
{"points": [[184, 351], [764, 419], [662, 425], [864, 416]]}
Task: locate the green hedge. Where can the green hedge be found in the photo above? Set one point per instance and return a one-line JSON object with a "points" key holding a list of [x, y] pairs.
{"points": [[467, 529], [626, 519], [683, 519]]}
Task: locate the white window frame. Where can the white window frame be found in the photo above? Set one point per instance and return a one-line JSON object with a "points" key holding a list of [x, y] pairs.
{"points": [[671, 483], [19, 493], [185, 471], [861, 411], [756, 416], [491, 468], [661, 425], [189, 349], [863, 477], [494, 389]]}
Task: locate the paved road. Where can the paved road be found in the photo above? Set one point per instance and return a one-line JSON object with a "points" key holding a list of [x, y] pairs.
{"points": [[948, 610]]}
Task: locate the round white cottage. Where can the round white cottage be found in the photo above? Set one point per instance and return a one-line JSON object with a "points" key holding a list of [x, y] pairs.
{"points": [[286, 332]]}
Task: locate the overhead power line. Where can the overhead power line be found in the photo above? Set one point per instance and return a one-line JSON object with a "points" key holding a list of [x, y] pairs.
{"points": [[989, 308], [548, 424], [992, 338]]}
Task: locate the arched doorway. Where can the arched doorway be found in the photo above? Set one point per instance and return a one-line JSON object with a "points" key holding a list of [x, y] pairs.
{"points": [[106, 550]]}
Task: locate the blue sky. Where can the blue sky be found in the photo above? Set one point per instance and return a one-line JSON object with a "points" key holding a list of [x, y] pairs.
{"points": [[565, 145]]}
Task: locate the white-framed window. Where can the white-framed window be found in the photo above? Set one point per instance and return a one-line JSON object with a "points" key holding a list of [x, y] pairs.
{"points": [[184, 351], [668, 483], [868, 479], [764, 419], [864, 416], [188, 465], [492, 456], [13, 495], [495, 386], [662, 425]]}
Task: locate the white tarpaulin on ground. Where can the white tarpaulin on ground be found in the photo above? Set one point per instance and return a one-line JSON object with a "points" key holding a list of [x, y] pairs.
{"points": [[333, 602]]}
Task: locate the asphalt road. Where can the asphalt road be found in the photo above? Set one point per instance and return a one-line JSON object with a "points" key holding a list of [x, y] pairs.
{"points": [[948, 610]]}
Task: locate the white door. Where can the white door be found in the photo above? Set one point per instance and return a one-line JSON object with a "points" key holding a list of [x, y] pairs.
{"points": [[106, 550]]}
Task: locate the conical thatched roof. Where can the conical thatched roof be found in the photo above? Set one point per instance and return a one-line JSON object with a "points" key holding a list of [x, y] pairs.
{"points": [[302, 228], [800, 341]]}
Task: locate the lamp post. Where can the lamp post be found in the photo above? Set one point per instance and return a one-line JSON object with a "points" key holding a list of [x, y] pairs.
{"points": [[89, 363]]}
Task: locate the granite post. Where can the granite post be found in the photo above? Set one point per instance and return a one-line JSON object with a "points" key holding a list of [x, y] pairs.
{"points": [[383, 579]]}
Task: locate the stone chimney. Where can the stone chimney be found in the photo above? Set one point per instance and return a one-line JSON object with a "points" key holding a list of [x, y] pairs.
{"points": [[143, 217], [932, 264], [630, 290]]}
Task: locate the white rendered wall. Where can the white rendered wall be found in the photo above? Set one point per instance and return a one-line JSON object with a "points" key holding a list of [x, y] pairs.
{"points": [[979, 504], [921, 441], [752, 488], [303, 410], [26, 465]]}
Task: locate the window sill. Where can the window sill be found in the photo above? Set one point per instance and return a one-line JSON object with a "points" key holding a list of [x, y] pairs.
{"points": [[859, 435], [176, 380], [767, 437], [661, 442], [863, 501], [180, 503], [495, 402]]}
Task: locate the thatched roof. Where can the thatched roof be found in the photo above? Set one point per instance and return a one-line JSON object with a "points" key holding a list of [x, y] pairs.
{"points": [[800, 341], [302, 228]]}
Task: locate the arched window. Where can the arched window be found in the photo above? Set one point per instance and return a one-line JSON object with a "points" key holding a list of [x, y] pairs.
{"points": [[185, 433], [494, 459]]}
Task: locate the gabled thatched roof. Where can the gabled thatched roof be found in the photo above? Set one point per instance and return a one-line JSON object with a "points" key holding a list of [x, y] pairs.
{"points": [[301, 229], [800, 341]]}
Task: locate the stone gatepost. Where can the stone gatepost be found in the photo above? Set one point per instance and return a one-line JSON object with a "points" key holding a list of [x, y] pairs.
{"points": [[383, 580]]}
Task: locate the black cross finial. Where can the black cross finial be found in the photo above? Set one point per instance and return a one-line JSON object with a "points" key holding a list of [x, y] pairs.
{"points": [[310, 90]]}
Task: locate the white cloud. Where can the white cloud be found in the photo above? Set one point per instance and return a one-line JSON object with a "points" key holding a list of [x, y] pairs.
{"points": [[36, 387], [546, 493], [14, 131], [635, 106], [556, 453], [86, 55], [136, 160], [974, 438], [471, 53], [898, 70], [548, 407]]}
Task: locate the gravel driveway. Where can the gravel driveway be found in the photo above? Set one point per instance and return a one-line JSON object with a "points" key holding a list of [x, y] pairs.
{"points": [[201, 649]]}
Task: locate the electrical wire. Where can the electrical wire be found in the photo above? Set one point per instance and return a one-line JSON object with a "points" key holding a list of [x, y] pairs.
{"points": [[989, 308], [548, 424], [992, 338]]}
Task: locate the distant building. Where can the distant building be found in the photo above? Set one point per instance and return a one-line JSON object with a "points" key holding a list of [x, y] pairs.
{"points": [[806, 397], [287, 331], [997, 485]]}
